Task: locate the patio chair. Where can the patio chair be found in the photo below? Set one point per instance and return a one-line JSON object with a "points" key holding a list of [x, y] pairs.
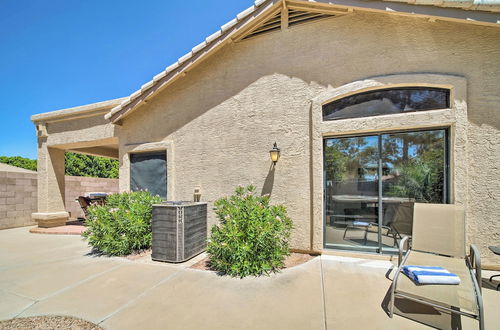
{"points": [[401, 222], [397, 221], [439, 240], [355, 220]]}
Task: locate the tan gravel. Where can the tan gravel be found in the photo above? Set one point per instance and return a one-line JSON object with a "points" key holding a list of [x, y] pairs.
{"points": [[47, 322], [294, 259]]}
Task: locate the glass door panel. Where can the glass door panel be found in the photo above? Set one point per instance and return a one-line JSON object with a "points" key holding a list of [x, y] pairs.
{"points": [[351, 192], [413, 170], [408, 167]]}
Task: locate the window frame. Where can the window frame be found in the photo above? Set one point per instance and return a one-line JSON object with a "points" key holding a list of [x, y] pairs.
{"points": [[446, 185], [131, 154], [447, 89]]}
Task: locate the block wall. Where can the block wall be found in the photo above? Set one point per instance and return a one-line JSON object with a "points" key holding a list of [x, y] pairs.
{"points": [[18, 199], [79, 185], [18, 196]]}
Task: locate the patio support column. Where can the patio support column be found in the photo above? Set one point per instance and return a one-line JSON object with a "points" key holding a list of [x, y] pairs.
{"points": [[51, 209]]}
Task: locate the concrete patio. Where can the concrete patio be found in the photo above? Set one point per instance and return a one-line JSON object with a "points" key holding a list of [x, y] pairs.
{"points": [[55, 275]]}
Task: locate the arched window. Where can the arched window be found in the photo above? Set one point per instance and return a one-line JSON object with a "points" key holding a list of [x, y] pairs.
{"points": [[387, 101]]}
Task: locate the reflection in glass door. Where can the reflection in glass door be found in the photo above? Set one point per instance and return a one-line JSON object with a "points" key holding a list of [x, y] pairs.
{"points": [[351, 191], [414, 166], [388, 170]]}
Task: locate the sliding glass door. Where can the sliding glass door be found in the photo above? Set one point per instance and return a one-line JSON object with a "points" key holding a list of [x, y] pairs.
{"points": [[371, 183]]}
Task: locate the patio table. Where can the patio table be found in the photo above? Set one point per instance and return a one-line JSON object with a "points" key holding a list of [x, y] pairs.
{"points": [[368, 199]]}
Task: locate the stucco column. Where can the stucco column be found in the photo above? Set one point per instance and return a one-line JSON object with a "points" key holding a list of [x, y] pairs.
{"points": [[51, 210]]}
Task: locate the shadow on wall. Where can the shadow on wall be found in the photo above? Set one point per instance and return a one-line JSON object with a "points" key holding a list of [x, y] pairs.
{"points": [[267, 188], [237, 67]]}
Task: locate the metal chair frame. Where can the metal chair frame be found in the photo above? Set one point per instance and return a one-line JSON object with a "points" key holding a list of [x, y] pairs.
{"points": [[473, 261]]}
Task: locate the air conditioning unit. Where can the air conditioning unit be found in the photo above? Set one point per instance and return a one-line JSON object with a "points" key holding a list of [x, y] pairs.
{"points": [[179, 230]]}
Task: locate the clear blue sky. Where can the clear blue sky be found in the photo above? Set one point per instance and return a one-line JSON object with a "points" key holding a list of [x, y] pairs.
{"points": [[56, 54]]}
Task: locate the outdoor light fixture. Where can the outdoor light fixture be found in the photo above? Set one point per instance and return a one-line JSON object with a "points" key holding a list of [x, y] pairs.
{"points": [[275, 153]]}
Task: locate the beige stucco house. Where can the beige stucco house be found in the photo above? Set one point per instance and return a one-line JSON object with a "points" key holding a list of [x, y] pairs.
{"points": [[373, 104]]}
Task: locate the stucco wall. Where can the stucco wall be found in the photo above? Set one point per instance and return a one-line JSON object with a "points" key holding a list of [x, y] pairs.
{"points": [[79, 185], [18, 198], [81, 130], [219, 121]]}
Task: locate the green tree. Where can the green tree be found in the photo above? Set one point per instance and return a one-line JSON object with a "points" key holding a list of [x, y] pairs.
{"points": [[75, 164], [29, 164], [85, 165], [416, 162]]}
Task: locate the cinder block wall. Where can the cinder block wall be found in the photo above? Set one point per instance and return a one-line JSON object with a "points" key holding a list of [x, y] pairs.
{"points": [[18, 198], [79, 185]]}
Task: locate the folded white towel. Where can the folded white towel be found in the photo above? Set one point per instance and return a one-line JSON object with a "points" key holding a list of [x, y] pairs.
{"points": [[430, 275]]}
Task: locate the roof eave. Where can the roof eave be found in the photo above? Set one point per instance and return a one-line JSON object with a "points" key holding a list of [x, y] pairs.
{"points": [[76, 112], [227, 34], [231, 30]]}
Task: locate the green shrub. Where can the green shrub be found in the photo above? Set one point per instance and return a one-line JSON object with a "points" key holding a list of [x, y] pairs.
{"points": [[252, 236], [122, 225]]}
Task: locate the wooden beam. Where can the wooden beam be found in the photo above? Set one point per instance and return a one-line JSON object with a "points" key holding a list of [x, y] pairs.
{"points": [[319, 10], [284, 17], [316, 7], [256, 24], [458, 15]]}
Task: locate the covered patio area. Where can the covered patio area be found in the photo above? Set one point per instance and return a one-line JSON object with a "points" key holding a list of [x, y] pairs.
{"points": [[81, 130]]}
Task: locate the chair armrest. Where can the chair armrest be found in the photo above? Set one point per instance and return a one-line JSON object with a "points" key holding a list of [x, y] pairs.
{"points": [[401, 249], [475, 262]]}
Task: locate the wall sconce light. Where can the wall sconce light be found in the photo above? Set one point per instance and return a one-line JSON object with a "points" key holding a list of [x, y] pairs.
{"points": [[275, 153]]}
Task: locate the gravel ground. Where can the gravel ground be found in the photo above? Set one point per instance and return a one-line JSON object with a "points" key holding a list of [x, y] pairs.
{"points": [[47, 322], [294, 259]]}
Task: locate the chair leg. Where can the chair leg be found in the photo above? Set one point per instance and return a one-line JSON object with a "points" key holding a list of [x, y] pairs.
{"points": [[345, 231], [481, 310], [393, 237], [391, 304], [481, 317]]}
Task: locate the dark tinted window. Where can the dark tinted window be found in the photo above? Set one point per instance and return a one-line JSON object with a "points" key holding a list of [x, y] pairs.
{"points": [[148, 171], [387, 101]]}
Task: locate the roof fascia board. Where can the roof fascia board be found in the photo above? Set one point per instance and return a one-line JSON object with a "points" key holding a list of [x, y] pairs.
{"points": [[95, 113], [414, 10], [228, 36], [83, 111]]}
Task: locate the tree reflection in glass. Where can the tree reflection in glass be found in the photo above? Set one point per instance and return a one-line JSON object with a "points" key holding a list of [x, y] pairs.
{"points": [[351, 187], [413, 166]]}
